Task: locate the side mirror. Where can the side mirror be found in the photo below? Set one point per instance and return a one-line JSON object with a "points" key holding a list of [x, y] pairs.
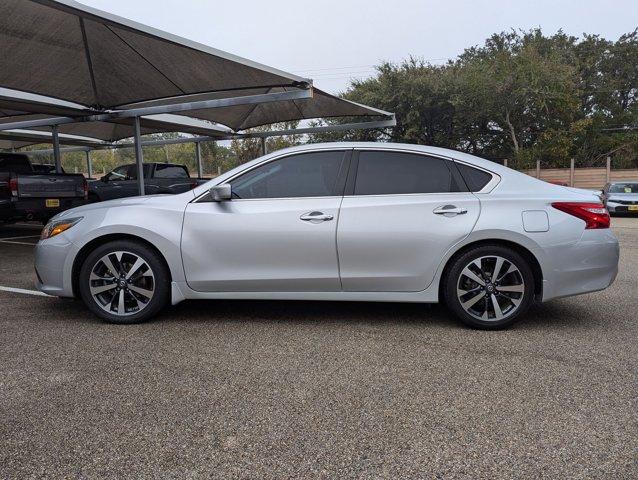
{"points": [[221, 193]]}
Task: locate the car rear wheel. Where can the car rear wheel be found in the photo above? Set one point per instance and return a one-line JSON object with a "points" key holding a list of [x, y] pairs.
{"points": [[124, 282], [489, 287]]}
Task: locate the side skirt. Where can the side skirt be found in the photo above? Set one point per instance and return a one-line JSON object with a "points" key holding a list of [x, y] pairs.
{"points": [[180, 291]]}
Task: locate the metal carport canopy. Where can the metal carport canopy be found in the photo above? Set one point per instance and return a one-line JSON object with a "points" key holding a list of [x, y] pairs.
{"points": [[96, 59], [118, 129], [118, 71], [99, 60]]}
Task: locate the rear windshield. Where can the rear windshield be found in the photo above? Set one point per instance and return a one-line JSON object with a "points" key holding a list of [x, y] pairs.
{"points": [[171, 171], [15, 164], [623, 188]]}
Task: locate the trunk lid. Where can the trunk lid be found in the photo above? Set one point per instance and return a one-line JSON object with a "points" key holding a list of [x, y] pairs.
{"points": [[50, 185]]}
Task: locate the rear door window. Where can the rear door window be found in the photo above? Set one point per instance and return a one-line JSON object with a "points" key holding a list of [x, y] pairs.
{"points": [[387, 173]]}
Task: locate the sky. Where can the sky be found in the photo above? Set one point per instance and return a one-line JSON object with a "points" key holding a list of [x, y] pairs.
{"points": [[333, 41]]}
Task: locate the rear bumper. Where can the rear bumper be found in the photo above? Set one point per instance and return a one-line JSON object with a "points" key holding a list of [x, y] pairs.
{"points": [[35, 208], [588, 266]]}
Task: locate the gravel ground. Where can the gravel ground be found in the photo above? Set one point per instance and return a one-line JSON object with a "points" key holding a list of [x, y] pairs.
{"points": [[318, 390]]}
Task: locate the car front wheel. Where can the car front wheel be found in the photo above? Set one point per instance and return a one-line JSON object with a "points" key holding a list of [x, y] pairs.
{"points": [[489, 287], [124, 282]]}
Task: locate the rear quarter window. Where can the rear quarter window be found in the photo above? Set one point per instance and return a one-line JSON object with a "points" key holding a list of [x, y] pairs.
{"points": [[474, 178]]}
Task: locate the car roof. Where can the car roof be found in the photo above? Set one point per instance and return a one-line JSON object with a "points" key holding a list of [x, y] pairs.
{"points": [[423, 149]]}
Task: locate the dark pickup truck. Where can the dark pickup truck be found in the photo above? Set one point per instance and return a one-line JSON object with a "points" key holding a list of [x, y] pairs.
{"points": [[28, 195], [158, 178]]}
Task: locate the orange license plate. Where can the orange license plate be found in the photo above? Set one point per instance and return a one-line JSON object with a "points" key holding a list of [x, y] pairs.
{"points": [[52, 203]]}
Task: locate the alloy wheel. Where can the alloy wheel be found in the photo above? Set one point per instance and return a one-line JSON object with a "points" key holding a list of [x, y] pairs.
{"points": [[490, 288], [122, 283]]}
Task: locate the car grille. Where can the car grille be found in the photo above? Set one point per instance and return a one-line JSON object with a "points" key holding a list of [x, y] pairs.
{"points": [[625, 202]]}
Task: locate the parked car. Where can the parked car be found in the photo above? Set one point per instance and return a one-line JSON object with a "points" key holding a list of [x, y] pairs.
{"points": [[621, 197], [158, 178], [343, 221], [28, 195]]}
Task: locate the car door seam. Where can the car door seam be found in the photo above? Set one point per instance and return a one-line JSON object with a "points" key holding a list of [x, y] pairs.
{"points": [[337, 242]]}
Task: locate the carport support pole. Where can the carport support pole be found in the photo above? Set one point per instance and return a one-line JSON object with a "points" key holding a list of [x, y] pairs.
{"points": [[264, 150], [538, 169], [608, 170], [198, 155], [571, 172], [89, 166], [139, 156], [56, 149]]}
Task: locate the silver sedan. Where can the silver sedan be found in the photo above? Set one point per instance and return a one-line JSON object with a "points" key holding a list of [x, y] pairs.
{"points": [[340, 221]]}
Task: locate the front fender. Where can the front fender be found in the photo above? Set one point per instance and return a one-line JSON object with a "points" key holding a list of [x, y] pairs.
{"points": [[160, 225]]}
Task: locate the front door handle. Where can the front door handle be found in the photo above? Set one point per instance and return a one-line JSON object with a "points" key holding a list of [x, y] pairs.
{"points": [[450, 210], [316, 217]]}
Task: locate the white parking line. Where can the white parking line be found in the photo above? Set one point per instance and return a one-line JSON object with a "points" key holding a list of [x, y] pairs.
{"points": [[23, 291], [19, 238], [17, 243]]}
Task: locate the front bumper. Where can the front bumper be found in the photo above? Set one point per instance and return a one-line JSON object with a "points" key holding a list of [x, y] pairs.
{"points": [[588, 266], [53, 266], [613, 207]]}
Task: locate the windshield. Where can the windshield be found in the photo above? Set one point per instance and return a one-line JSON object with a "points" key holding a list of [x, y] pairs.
{"points": [[623, 188]]}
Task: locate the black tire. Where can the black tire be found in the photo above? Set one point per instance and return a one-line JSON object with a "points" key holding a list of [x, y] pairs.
{"points": [[518, 303], [160, 282]]}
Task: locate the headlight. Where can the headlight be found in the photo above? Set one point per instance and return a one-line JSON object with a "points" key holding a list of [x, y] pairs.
{"points": [[55, 227]]}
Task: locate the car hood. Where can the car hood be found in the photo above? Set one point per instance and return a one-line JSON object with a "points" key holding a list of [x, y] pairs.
{"points": [[120, 202]]}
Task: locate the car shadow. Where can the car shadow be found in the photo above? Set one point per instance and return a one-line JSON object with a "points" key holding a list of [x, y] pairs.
{"points": [[555, 315], [558, 314], [307, 312]]}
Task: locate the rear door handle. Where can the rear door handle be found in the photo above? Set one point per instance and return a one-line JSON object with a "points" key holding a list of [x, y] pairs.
{"points": [[450, 210], [316, 217]]}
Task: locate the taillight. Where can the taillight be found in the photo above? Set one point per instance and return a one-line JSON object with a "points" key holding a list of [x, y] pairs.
{"points": [[193, 184], [13, 186], [595, 215], [86, 189]]}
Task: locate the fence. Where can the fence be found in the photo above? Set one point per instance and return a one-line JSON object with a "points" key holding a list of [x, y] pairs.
{"points": [[593, 178]]}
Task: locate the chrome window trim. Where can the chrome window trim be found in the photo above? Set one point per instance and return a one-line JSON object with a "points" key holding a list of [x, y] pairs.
{"points": [[278, 198], [408, 194]]}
